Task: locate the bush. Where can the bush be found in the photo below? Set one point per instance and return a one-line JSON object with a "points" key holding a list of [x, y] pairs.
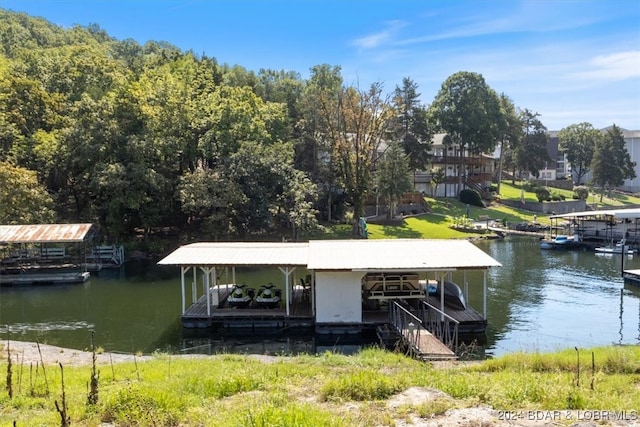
{"points": [[581, 192], [542, 193], [471, 197], [531, 187]]}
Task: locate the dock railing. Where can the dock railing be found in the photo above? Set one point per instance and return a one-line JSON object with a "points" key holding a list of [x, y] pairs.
{"points": [[406, 324], [440, 324]]}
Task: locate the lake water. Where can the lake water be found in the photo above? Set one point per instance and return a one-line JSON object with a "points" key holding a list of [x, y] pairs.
{"points": [[538, 301]]}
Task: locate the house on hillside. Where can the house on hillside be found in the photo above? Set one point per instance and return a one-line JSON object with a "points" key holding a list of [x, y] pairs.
{"points": [[477, 170], [561, 168]]}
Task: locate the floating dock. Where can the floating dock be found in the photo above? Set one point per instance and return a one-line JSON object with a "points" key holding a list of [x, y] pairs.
{"points": [[631, 277], [470, 321], [43, 278]]}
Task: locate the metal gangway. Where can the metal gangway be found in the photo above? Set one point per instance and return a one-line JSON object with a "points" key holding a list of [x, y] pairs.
{"points": [[420, 342], [440, 324]]}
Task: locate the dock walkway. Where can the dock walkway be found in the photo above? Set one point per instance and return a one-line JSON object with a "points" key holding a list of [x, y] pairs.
{"points": [[420, 343]]}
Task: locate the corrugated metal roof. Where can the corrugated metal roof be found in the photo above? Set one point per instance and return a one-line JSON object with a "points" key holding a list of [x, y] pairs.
{"points": [[391, 254], [397, 254], [44, 233], [239, 254]]}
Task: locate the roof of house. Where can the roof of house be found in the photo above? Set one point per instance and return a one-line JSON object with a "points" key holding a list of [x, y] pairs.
{"points": [[44, 233], [354, 255]]}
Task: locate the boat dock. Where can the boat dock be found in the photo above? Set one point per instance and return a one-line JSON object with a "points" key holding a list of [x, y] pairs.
{"points": [[353, 286], [44, 254]]}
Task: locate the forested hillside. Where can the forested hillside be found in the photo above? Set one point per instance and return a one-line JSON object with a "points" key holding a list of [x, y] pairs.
{"points": [[137, 137]]}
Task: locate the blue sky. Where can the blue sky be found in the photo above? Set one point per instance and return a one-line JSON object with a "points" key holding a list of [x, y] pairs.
{"points": [[569, 61]]}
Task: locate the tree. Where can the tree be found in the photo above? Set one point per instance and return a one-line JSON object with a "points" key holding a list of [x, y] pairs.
{"points": [[578, 142], [321, 126], [468, 110], [510, 131], [22, 199], [410, 124], [365, 116], [611, 163], [531, 151], [437, 177], [394, 176]]}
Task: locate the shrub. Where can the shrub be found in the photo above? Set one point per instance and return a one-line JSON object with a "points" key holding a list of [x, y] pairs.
{"points": [[471, 197], [531, 187], [581, 192], [542, 193]]}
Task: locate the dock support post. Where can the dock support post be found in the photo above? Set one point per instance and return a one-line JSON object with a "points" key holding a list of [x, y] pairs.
{"points": [[287, 284], [194, 287], [183, 271], [205, 284], [484, 294], [442, 298]]}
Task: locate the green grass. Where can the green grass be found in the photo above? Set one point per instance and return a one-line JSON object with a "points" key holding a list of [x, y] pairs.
{"points": [[319, 390], [510, 191], [437, 224]]}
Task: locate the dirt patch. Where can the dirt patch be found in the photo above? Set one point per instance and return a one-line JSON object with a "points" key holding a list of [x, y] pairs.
{"points": [[33, 353]]}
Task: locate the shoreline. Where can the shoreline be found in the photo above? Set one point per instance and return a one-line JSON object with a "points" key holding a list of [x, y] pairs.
{"points": [[27, 352]]}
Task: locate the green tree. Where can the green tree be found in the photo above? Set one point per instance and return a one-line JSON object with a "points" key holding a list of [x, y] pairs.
{"points": [[393, 176], [22, 199], [321, 126], [468, 110], [209, 199], [511, 132], [531, 151], [611, 163], [365, 116], [296, 204], [410, 124], [437, 177], [578, 143]]}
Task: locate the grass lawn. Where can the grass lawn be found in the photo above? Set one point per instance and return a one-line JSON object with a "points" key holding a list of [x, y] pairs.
{"points": [[510, 191], [436, 225], [316, 390]]}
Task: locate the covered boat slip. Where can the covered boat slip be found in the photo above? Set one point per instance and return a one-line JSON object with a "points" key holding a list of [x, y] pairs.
{"points": [[609, 226], [44, 253], [334, 301]]}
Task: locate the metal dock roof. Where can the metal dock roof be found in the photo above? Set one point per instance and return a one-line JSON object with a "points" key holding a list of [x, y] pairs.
{"points": [[239, 254], [365, 255], [44, 233], [397, 254]]}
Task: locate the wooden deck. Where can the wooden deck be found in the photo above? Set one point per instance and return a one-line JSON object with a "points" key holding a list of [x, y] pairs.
{"points": [[300, 314], [470, 320]]}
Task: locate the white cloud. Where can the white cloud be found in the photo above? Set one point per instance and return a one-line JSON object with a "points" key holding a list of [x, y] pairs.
{"points": [[614, 66], [380, 38]]}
